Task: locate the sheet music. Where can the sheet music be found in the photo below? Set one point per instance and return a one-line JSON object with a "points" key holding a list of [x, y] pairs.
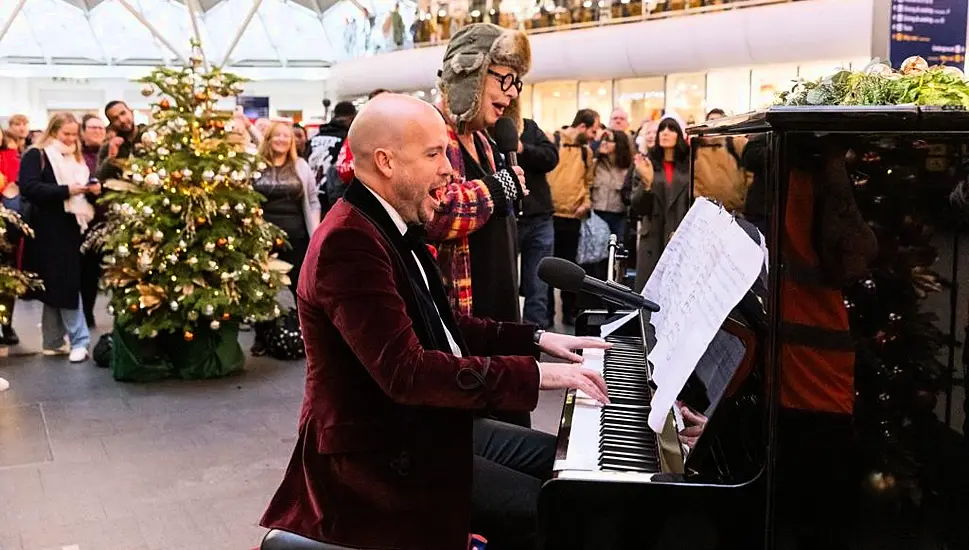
{"points": [[705, 270]]}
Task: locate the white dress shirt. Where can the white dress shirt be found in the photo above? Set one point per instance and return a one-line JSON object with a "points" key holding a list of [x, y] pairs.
{"points": [[399, 222]]}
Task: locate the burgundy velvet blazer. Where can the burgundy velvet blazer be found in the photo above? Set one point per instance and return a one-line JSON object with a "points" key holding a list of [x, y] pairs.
{"points": [[384, 454]]}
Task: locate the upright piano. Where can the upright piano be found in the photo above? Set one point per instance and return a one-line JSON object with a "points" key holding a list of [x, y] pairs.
{"points": [[619, 485]]}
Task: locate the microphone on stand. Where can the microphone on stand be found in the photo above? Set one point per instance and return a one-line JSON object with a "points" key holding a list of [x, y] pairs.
{"points": [[506, 138], [565, 275]]}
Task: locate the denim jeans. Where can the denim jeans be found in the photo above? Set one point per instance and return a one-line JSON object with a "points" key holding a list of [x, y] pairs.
{"points": [[536, 238], [56, 322]]}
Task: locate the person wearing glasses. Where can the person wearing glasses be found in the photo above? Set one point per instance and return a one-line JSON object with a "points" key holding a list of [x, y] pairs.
{"points": [[474, 228], [480, 82]]}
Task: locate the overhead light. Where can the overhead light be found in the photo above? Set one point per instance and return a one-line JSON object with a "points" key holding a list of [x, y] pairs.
{"points": [[475, 13], [587, 4], [420, 93], [602, 91], [442, 13], [433, 91], [602, 3], [556, 94]]}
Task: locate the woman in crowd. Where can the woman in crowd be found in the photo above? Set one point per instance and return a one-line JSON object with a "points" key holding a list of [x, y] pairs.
{"points": [[54, 178], [12, 144], [666, 199], [291, 203], [613, 162]]}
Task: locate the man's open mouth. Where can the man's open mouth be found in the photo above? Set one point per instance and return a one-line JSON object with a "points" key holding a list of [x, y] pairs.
{"points": [[437, 194]]}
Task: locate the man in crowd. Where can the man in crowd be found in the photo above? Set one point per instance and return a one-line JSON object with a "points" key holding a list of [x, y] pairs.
{"points": [[118, 148], [389, 453], [619, 120], [718, 170], [92, 138], [324, 149], [569, 184], [536, 234]]}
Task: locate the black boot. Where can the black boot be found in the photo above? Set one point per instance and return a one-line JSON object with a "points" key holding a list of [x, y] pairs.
{"points": [[8, 336], [258, 348]]}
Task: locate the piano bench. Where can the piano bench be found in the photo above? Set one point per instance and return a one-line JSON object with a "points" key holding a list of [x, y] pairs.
{"points": [[276, 539]]}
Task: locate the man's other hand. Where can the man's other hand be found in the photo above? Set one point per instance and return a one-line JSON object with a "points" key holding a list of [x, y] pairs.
{"points": [[561, 346], [572, 376]]}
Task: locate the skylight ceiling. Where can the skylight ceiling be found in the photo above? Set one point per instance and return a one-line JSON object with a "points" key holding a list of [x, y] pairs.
{"points": [[281, 33]]}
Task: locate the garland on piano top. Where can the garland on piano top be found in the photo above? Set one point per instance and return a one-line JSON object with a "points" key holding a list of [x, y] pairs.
{"points": [[878, 84]]}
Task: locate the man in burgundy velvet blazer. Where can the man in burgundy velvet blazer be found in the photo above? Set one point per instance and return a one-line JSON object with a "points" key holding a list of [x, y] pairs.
{"points": [[384, 455]]}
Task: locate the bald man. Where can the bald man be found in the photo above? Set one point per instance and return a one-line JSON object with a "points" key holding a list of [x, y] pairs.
{"points": [[390, 453]]}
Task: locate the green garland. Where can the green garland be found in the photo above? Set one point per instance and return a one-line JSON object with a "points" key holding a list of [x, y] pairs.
{"points": [[879, 84]]}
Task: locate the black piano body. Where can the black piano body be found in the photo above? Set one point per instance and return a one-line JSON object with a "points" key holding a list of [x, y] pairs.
{"points": [[896, 470]]}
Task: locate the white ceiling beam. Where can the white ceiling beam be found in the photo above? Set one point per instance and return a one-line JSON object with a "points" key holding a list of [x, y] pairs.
{"points": [[193, 10], [151, 28], [272, 43], [242, 29], [16, 12]]}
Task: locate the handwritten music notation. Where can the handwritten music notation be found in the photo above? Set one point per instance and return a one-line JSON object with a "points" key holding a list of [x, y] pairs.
{"points": [[705, 270]]}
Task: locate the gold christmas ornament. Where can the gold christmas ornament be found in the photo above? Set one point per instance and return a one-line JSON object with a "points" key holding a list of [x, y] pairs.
{"points": [[189, 336], [164, 104]]}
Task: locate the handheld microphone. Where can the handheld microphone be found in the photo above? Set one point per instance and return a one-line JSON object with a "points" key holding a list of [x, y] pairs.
{"points": [[565, 275], [506, 138]]}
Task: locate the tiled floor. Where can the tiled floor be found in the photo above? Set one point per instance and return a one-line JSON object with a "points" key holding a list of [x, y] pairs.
{"points": [[87, 463]]}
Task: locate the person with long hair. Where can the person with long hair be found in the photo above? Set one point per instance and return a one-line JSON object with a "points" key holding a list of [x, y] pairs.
{"points": [[55, 179], [666, 199], [613, 161], [292, 203], [12, 144]]}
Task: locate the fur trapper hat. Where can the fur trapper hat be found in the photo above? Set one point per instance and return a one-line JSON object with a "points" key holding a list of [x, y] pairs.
{"points": [[469, 54]]}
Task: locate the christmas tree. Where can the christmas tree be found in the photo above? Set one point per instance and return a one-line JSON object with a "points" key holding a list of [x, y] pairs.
{"points": [[14, 283], [897, 372], [186, 247]]}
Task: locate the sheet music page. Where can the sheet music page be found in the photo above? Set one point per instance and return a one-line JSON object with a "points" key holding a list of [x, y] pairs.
{"points": [[705, 270]]}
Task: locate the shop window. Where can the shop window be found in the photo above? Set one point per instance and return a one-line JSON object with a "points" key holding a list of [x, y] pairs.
{"points": [[643, 98]]}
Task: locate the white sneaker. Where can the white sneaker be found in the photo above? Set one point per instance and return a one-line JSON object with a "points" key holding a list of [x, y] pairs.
{"points": [[78, 355], [4, 385], [63, 350]]}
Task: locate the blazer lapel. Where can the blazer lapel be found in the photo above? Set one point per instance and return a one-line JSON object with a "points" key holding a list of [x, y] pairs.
{"points": [[428, 321]]}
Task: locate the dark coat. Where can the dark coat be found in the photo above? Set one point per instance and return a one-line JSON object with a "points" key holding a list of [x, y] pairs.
{"points": [[55, 251], [664, 206], [539, 156], [384, 453]]}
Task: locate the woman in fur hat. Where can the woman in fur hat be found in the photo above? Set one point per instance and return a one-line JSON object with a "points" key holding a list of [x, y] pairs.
{"points": [[480, 81]]}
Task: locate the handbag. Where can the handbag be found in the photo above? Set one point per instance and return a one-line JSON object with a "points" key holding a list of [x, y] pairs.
{"points": [[593, 240], [285, 339]]}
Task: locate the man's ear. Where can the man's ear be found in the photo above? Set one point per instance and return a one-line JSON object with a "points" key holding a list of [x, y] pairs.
{"points": [[383, 160]]}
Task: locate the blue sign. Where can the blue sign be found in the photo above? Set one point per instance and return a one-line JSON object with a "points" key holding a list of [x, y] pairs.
{"points": [[254, 106], [932, 29]]}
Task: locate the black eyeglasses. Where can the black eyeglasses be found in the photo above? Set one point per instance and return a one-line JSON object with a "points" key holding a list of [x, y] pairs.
{"points": [[508, 80]]}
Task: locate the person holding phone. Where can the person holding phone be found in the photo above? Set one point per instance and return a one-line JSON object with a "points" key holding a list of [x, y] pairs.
{"points": [[55, 179]]}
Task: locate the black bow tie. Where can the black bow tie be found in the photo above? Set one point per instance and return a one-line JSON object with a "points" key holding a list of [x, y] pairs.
{"points": [[415, 235]]}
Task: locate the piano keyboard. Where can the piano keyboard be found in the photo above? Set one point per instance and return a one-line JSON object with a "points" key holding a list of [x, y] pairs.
{"points": [[615, 438]]}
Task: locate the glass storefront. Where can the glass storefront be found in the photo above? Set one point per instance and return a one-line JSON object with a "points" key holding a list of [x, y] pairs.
{"points": [[554, 104], [643, 98], [596, 95], [690, 95], [729, 89], [686, 94]]}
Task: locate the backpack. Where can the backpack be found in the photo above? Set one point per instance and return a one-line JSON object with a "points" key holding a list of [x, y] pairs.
{"points": [[333, 186], [585, 151]]}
